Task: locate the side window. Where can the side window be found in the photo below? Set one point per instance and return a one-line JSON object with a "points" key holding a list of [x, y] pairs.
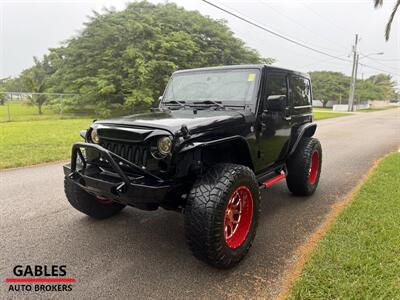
{"points": [[301, 90], [276, 84]]}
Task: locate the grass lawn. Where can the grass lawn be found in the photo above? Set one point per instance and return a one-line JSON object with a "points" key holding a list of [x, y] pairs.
{"points": [[26, 143], [319, 115], [377, 109], [323, 108], [48, 138], [359, 257], [21, 111]]}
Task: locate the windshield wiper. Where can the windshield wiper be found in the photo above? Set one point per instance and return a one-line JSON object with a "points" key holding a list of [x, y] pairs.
{"points": [[211, 102], [181, 103]]}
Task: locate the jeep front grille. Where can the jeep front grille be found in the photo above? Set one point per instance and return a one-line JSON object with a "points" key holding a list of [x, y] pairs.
{"points": [[136, 154]]}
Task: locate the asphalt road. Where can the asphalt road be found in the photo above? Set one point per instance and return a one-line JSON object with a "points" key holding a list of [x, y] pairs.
{"points": [[143, 255]]}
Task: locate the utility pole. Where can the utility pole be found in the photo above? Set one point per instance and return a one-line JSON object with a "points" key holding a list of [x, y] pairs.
{"points": [[353, 76], [355, 81]]}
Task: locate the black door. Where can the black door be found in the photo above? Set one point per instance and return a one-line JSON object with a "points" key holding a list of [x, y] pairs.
{"points": [[275, 120]]}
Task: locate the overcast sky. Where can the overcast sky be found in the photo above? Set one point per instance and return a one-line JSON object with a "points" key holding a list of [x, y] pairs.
{"points": [[29, 28]]}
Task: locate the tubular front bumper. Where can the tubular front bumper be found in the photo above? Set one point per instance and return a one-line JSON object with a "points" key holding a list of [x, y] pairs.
{"points": [[133, 187]]}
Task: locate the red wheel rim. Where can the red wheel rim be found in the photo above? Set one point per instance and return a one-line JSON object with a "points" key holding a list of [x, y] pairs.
{"points": [[238, 217], [314, 167], [103, 200]]}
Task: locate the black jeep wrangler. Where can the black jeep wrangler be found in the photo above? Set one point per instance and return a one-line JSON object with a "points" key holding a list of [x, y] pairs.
{"points": [[219, 136]]}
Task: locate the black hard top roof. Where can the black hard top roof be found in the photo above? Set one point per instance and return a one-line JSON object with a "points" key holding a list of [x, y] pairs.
{"points": [[250, 66]]}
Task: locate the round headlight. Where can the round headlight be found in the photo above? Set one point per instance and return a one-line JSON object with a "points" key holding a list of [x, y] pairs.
{"points": [[95, 138], [164, 145]]}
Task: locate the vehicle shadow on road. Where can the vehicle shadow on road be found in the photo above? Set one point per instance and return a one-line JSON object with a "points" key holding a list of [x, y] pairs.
{"points": [[150, 246]]}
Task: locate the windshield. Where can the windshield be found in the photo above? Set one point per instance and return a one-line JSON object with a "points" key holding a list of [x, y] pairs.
{"points": [[235, 86]]}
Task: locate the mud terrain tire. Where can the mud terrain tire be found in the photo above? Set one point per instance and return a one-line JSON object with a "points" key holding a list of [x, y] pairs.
{"points": [[89, 204], [304, 167], [221, 214]]}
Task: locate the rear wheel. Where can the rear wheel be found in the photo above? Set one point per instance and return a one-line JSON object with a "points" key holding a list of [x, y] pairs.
{"points": [[304, 167], [221, 215], [95, 207]]}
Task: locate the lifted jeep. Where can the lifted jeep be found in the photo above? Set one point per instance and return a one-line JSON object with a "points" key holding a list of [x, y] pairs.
{"points": [[219, 136]]}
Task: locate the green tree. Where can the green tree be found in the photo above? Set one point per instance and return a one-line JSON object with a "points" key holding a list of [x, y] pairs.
{"points": [[376, 87], [329, 85], [12, 84], [3, 90], [122, 59], [378, 3], [35, 80], [3, 95]]}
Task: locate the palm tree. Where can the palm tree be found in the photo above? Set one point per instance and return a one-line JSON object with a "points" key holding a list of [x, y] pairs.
{"points": [[35, 80], [390, 21]]}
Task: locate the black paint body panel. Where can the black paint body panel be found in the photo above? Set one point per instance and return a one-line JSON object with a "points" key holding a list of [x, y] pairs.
{"points": [[202, 136]]}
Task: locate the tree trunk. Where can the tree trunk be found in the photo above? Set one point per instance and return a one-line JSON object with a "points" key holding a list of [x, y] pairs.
{"points": [[40, 100]]}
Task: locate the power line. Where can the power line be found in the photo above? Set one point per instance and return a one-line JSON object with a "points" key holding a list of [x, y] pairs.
{"points": [[325, 19], [379, 63], [333, 24], [262, 27], [378, 69], [380, 59], [291, 40], [320, 37], [317, 62]]}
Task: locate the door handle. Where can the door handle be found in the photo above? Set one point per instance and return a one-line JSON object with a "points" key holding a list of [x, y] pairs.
{"points": [[287, 115], [263, 125]]}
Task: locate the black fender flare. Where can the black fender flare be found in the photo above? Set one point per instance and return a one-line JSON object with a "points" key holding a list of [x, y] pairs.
{"points": [[236, 141], [305, 130]]}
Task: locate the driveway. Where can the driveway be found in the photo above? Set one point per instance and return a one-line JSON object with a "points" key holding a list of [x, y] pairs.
{"points": [[143, 255]]}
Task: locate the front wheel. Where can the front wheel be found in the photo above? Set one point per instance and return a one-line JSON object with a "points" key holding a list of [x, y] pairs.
{"points": [[221, 215], [95, 207], [304, 167]]}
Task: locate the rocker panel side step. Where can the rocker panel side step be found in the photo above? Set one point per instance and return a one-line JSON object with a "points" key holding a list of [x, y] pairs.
{"points": [[270, 182]]}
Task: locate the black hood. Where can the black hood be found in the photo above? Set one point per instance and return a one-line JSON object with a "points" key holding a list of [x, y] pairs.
{"points": [[173, 120]]}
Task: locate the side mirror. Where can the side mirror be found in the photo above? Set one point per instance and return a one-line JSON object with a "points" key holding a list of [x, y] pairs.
{"points": [[275, 103], [159, 99]]}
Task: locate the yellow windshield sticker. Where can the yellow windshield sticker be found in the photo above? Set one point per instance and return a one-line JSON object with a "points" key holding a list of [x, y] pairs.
{"points": [[251, 77]]}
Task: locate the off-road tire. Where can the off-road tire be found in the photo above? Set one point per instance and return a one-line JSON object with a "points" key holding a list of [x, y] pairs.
{"points": [[89, 204], [299, 180], [205, 214]]}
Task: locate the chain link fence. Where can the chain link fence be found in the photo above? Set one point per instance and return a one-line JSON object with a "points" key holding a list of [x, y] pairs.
{"points": [[15, 106]]}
